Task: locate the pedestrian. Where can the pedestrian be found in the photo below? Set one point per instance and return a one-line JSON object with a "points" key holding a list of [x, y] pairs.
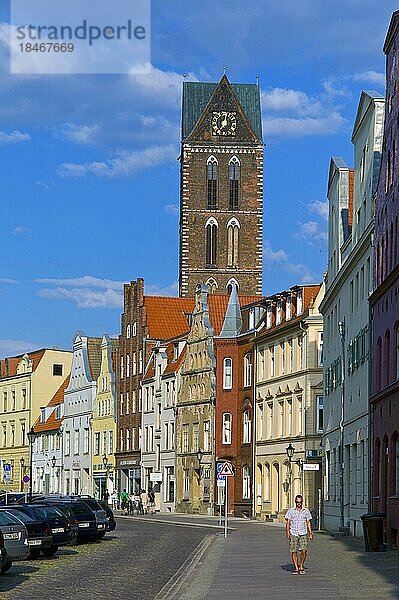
{"points": [[151, 500], [298, 529], [106, 496], [144, 502], [124, 500], [114, 500]]}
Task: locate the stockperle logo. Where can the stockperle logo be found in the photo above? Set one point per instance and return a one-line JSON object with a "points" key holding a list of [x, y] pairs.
{"points": [[80, 36]]}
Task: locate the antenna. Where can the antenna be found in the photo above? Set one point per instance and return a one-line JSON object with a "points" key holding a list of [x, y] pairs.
{"points": [[224, 70], [257, 80]]}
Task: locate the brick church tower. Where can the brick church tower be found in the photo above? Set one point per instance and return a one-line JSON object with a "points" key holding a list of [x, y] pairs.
{"points": [[221, 188]]}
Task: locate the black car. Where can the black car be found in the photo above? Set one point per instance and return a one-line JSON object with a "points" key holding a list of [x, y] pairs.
{"points": [[5, 560], [39, 533], [91, 502], [85, 517], [111, 523], [60, 525]]}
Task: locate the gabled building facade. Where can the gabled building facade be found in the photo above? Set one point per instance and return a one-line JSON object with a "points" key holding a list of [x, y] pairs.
{"points": [[346, 322], [25, 382], [221, 188], [104, 421], [79, 399], [384, 303], [289, 401]]}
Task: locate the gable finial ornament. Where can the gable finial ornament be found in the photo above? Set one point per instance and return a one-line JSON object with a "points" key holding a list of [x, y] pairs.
{"points": [[224, 70]]}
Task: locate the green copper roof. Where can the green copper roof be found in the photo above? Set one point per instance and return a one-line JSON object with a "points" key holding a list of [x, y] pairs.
{"points": [[196, 96]]}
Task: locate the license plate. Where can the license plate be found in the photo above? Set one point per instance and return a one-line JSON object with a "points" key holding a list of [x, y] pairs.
{"points": [[11, 536], [35, 542], [84, 525], [101, 526], [58, 530]]}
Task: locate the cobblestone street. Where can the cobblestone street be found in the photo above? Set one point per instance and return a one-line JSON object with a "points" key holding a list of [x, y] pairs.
{"points": [[134, 562]]}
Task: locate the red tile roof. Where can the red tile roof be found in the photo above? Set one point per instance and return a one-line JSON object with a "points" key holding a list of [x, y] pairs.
{"points": [[166, 316], [52, 423], [218, 305], [8, 366]]}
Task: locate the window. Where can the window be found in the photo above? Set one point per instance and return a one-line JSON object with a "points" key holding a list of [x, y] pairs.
{"points": [[121, 367], [76, 442], [234, 175], [299, 303], [247, 370], [211, 242], [127, 403], [97, 443], [121, 411], [195, 437], [121, 441], [271, 352], [111, 442], [227, 373], [13, 400], [397, 351], [279, 312], [86, 441], [105, 442], [23, 429], [57, 369], [251, 318], [134, 367], [300, 352], [233, 229], [128, 366], [246, 482], [184, 443], [290, 355], [288, 308], [320, 349], [282, 353], [186, 487], [127, 439], [212, 284], [134, 329], [128, 331], [320, 403], [212, 178], [67, 443], [259, 413], [207, 430], [269, 315], [226, 428], [140, 362], [23, 398], [247, 428]]}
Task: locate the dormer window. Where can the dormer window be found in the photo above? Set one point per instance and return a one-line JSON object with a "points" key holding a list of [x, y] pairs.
{"points": [[42, 415], [268, 316], [288, 308], [279, 312], [251, 319], [299, 303]]}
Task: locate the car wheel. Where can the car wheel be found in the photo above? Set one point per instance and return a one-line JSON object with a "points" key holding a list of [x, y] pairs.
{"points": [[50, 551], [101, 535], [7, 566]]}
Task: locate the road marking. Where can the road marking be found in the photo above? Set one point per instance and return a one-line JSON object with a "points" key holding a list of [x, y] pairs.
{"points": [[179, 523]]}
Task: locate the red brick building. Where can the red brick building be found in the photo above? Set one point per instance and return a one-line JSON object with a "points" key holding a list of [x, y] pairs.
{"points": [[385, 306]]}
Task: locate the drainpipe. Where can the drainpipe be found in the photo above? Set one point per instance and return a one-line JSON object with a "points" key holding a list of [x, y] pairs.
{"points": [[254, 428], [341, 327]]}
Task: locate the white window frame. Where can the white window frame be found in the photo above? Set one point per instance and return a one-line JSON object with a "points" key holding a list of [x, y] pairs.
{"points": [[247, 428], [227, 373], [226, 428]]}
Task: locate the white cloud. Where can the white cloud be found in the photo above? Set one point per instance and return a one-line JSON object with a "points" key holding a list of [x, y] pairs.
{"points": [[319, 208], [171, 209], [80, 134], [16, 347], [312, 232], [292, 101], [292, 127], [279, 260], [8, 281], [158, 290], [14, 137], [85, 297], [371, 76], [124, 165], [87, 281], [20, 229], [160, 84]]}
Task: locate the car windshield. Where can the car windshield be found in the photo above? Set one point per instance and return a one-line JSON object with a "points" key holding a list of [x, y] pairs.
{"points": [[47, 512], [81, 510], [92, 503], [6, 518], [22, 516], [66, 511]]}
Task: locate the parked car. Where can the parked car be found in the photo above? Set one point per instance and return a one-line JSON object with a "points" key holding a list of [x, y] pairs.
{"points": [[68, 514], [12, 497], [85, 517], [57, 521], [5, 560], [39, 532], [111, 523], [92, 503], [15, 536]]}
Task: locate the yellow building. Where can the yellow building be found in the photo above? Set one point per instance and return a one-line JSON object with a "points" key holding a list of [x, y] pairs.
{"points": [[104, 422], [27, 382], [289, 402]]}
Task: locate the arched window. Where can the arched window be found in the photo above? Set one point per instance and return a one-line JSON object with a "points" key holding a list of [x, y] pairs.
{"points": [[247, 428], [212, 284], [397, 350], [246, 482], [212, 178], [233, 228], [379, 362], [211, 242], [230, 284], [387, 357], [234, 175], [227, 373], [226, 428], [121, 367]]}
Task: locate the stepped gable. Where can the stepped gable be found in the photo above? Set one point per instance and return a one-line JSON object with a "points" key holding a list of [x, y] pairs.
{"points": [[52, 423], [167, 316]]}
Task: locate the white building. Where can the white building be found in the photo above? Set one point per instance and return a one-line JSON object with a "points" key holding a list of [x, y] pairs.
{"points": [[159, 388], [79, 399], [346, 321], [47, 447]]}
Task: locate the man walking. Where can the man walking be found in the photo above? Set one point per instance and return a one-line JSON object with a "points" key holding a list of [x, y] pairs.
{"points": [[298, 529]]}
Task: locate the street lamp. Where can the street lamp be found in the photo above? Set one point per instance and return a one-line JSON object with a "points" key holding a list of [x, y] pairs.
{"points": [[22, 462], [198, 470], [31, 439], [53, 462], [290, 451], [341, 331], [106, 467]]}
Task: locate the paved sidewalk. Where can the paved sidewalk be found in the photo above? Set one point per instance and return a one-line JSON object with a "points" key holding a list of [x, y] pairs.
{"points": [[254, 563]]}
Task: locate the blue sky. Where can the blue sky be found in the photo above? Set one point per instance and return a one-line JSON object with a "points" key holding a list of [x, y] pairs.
{"points": [[89, 178]]}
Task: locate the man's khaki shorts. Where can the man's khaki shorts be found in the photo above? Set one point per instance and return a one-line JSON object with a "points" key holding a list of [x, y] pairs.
{"points": [[298, 542]]}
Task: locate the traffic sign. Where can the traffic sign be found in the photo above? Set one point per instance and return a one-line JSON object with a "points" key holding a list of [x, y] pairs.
{"points": [[226, 470], [311, 467], [26, 479], [7, 476], [221, 482], [7, 468]]}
